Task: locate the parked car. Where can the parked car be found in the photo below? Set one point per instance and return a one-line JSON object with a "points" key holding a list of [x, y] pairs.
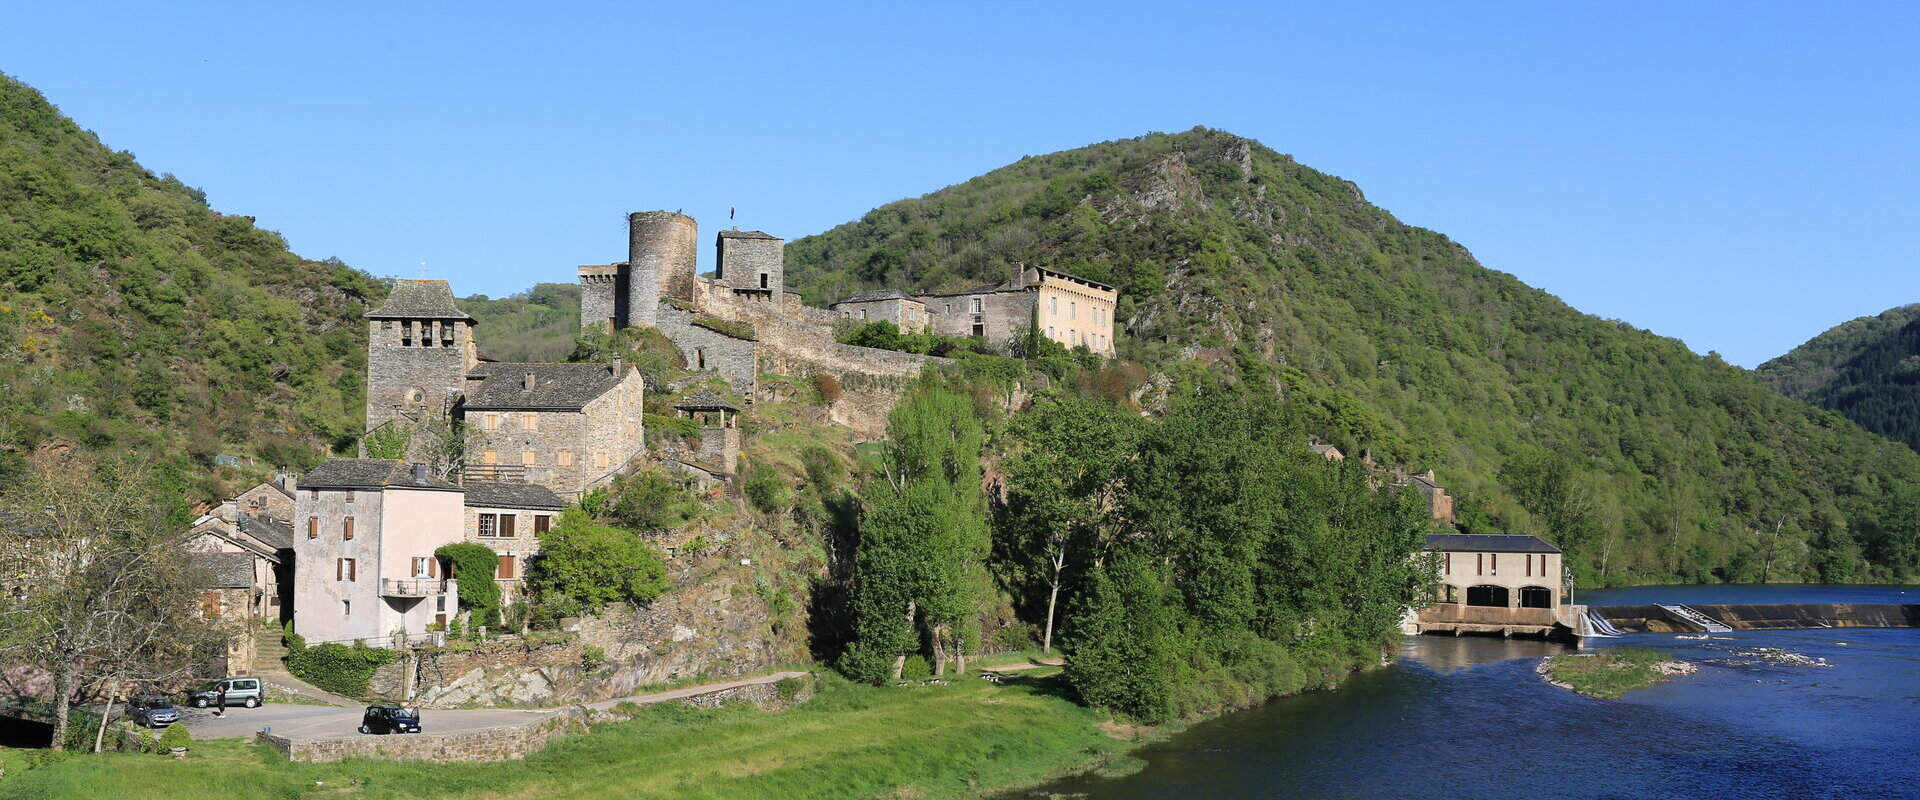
{"points": [[152, 711], [249, 692], [390, 719]]}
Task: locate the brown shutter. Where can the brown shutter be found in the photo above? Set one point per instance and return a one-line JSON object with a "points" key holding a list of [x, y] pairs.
{"points": [[313, 527], [348, 529], [506, 524], [1448, 569], [1493, 560], [210, 604], [339, 569], [1479, 563], [1529, 565], [433, 567], [506, 566], [540, 523]]}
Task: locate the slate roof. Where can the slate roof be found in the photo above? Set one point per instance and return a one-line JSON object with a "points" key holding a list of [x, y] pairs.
{"points": [[747, 235], [1488, 543], [503, 385], [222, 570], [1320, 448], [874, 296], [985, 288], [272, 533], [704, 400], [494, 494], [369, 473], [419, 300]]}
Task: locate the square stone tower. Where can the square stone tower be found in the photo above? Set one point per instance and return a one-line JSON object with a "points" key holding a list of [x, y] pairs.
{"points": [[419, 349], [751, 262]]}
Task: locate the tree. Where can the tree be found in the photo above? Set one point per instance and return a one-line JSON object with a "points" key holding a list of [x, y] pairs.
{"points": [[474, 566], [584, 566], [106, 595]]}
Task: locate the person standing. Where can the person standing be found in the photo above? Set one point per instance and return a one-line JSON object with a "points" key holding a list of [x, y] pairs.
{"points": [[220, 702]]}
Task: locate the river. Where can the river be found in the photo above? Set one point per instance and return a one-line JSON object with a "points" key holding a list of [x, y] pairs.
{"points": [[1469, 718]]}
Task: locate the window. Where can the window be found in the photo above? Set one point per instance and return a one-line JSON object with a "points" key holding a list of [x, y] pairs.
{"points": [[541, 523], [563, 458], [406, 333], [493, 422], [1072, 310], [763, 280], [529, 421], [426, 334], [346, 530], [423, 566], [526, 458], [1053, 305], [949, 308], [343, 570], [506, 567], [700, 356], [490, 457], [489, 523], [1479, 563], [346, 608], [210, 604], [1447, 564], [979, 305], [863, 314], [1493, 563], [349, 495], [313, 527], [600, 460], [313, 494], [506, 525]]}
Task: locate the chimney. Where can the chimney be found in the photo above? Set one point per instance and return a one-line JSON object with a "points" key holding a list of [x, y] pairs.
{"points": [[528, 385], [619, 367], [420, 473], [230, 510], [1019, 276]]}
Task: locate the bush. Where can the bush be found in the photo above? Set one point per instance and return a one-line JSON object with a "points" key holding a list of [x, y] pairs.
{"points": [[788, 688], [474, 566], [764, 488], [916, 668], [824, 469], [828, 387], [336, 667], [592, 656], [649, 500], [584, 565], [176, 735]]}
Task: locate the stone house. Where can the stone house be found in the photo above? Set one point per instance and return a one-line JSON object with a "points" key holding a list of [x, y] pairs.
{"points": [[569, 427], [510, 518], [1327, 451], [1071, 310], [228, 600], [267, 545], [1511, 584], [1439, 503], [906, 313], [365, 532]]}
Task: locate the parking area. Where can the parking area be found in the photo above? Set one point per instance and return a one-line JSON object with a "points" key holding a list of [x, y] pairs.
{"points": [[303, 722]]}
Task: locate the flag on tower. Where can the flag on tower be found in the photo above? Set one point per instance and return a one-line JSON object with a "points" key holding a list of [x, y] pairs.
{"points": [[729, 212]]}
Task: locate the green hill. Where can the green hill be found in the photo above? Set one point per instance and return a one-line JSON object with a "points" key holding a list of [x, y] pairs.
{"points": [[135, 318], [1646, 461], [1867, 369], [539, 324]]}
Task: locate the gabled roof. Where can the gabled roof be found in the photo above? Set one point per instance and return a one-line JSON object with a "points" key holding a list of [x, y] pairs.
{"points": [[419, 300], [222, 570], [369, 473], [494, 494], [704, 400], [874, 296], [272, 533], [502, 385], [733, 234], [1487, 543]]}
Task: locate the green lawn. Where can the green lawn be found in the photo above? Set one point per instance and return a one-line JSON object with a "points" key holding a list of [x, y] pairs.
{"points": [[960, 740]]}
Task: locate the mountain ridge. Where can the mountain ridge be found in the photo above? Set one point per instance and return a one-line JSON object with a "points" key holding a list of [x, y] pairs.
{"points": [[1867, 368]]}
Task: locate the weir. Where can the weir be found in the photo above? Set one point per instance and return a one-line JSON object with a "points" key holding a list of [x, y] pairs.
{"points": [[1704, 618]]}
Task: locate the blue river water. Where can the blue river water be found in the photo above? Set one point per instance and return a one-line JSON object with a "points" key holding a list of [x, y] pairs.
{"points": [[1470, 718]]}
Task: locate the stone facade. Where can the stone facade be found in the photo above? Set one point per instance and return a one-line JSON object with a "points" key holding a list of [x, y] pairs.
{"points": [[603, 296], [750, 262], [662, 261], [551, 442], [418, 352], [1073, 311], [906, 313], [514, 534], [1495, 580], [736, 359]]}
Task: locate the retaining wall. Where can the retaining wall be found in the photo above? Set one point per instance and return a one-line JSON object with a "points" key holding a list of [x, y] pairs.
{"points": [[501, 743]]}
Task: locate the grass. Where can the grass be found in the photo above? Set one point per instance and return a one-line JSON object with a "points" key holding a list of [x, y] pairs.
{"points": [[1607, 674], [966, 739]]}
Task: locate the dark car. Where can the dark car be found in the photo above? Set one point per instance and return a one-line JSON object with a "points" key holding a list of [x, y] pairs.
{"points": [[390, 719], [152, 711]]}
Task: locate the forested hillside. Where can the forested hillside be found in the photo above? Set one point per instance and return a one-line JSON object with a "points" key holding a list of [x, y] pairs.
{"points": [[539, 324], [1646, 461], [133, 317], [1867, 369]]}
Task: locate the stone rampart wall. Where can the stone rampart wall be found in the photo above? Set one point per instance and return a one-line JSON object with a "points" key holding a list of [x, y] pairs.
{"points": [[502, 743]]}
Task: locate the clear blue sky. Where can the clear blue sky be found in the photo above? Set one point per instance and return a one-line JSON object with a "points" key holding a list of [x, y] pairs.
{"points": [[1739, 175]]}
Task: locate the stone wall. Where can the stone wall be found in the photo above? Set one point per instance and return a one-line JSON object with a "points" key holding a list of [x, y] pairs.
{"points": [[600, 285], [502, 743], [751, 260], [735, 359], [1002, 313], [610, 428], [662, 251], [412, 378]]}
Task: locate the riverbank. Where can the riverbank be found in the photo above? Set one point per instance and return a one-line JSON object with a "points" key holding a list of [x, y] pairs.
{"points": [[1611, 673]]}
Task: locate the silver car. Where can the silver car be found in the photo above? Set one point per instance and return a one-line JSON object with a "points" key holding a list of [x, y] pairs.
{"points": [[249, 692], [152, 711]]}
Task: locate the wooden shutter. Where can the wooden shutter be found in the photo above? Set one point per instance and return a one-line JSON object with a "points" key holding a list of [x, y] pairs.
{"points": [[313, 527], [339, 569], [1479, 563], [540, 523], [210, 604], [347, 530], [506, 524], [506, 566], [1448, 560]]}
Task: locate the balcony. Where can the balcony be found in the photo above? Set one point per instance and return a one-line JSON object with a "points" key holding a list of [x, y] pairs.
{"points": [[503, 473], [413, 587]]}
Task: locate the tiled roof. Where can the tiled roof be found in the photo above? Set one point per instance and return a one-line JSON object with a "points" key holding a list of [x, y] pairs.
{"points": [[1488, 543], [704, 400], [272, 533], [494, 494], [369, 473], [747, 235], [555, 386], [419, 300], [222, 570], [874, 295]]}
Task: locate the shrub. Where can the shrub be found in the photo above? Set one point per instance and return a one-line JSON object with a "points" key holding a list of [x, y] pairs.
{"points": [[649, 500], [336, 667], [764, 488], [585, 565], [823, 468], [788, 688], [592, 656], [474, 565], [176, 735], [828, 387], [916, 668]]}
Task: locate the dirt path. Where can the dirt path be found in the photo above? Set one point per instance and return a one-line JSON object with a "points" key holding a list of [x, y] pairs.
{"points": [[693, 691]]}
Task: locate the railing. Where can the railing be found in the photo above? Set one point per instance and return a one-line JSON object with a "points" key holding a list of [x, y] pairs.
{"points": [[401, 587], [504, 473], [1486, 615]]}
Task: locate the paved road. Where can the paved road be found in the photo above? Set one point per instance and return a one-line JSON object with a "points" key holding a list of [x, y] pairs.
{"points": [[305, 722]]}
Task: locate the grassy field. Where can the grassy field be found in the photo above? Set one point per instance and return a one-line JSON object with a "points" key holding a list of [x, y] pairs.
{"points": [[1607, 674], [962, 740]]}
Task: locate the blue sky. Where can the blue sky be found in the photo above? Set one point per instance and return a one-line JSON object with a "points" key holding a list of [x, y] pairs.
{"points": [[1741, 176]]}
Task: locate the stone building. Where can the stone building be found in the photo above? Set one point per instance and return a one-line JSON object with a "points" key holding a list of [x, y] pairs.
{"points": [[510, 518], [1495, 584], [715, 457], [365, 532], [1073, 311], [1327, 451], [1439, 503], [569, 427], [891, 305], [265, 542], [229, 600], [751, 263]]}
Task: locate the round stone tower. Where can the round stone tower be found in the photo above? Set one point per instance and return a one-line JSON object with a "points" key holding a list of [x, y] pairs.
{"points": [[661, 259]]}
